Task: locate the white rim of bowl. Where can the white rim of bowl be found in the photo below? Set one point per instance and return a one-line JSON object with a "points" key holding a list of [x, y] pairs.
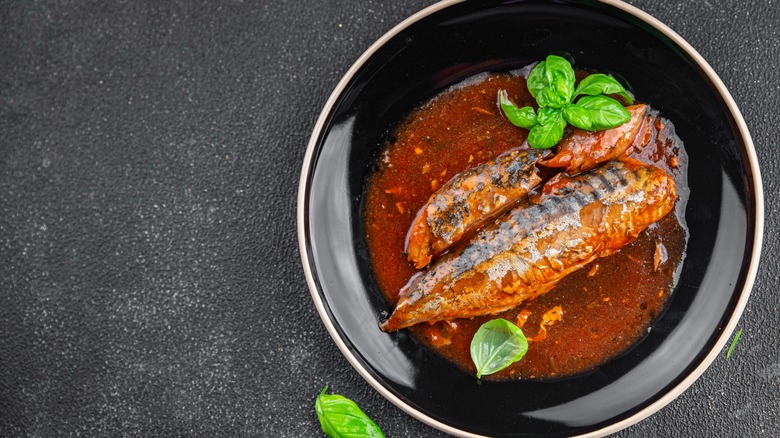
{"points": [[680, 387]]}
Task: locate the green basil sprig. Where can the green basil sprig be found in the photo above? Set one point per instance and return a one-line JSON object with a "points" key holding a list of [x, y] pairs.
{"points": [[551, 83], [340, 417], [496, 345]]}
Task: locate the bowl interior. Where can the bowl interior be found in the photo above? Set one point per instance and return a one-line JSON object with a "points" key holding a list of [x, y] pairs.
{"points": [[448, 46]]}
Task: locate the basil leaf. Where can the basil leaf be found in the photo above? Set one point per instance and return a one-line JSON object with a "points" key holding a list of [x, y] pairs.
{"points": [[551, 82], [734, 343], [496, 345], [341, 417], [548, 115], [605, 112], [549, 97], [537, 80], [545, 136], [598, 83], [524, 117], [560, 77], [577, 116]]}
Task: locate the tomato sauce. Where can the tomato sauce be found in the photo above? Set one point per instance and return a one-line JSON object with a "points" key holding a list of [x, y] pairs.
{"points": [[591, 316]]}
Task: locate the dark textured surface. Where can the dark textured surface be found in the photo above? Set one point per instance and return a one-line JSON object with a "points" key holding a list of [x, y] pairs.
{"points": [[150, 282]]}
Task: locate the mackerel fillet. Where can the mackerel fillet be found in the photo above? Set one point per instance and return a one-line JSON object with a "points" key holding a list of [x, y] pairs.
{"points": [[524, 254], [469, 199], [582, 150]]}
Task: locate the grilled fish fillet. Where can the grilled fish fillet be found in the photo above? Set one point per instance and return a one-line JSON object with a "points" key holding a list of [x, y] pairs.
{"points": [[526, 252], [582, 150], [468, 200]]}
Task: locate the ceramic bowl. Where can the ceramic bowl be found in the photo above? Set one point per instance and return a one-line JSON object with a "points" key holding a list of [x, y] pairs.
{"points": [[451, 41]]}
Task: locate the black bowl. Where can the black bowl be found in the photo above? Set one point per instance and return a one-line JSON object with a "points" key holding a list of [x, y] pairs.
{"points": [[447, 43]]}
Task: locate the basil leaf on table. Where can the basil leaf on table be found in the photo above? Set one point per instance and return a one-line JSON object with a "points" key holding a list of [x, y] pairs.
{"points": [[524, 117], [496, 345], [577, 116], [547, 135], [733, 343], [598, 83], [340, 417], [605, 112]]}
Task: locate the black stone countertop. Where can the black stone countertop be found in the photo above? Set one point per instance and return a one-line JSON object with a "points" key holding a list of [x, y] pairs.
{"points": [[150, 282]]}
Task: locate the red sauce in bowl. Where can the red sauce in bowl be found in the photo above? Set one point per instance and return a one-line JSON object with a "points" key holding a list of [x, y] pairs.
{"points": [[591, 316]]}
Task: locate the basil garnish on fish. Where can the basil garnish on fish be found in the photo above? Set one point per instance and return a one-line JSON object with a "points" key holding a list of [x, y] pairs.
{"points": [[551, 83]]}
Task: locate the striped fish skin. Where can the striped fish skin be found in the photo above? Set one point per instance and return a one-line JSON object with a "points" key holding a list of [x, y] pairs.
{"points": [[582, 150], [526, 252], [468, 200]]}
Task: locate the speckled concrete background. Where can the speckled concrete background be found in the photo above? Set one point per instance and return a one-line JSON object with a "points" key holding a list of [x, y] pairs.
{"points": [[150, 282]]}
